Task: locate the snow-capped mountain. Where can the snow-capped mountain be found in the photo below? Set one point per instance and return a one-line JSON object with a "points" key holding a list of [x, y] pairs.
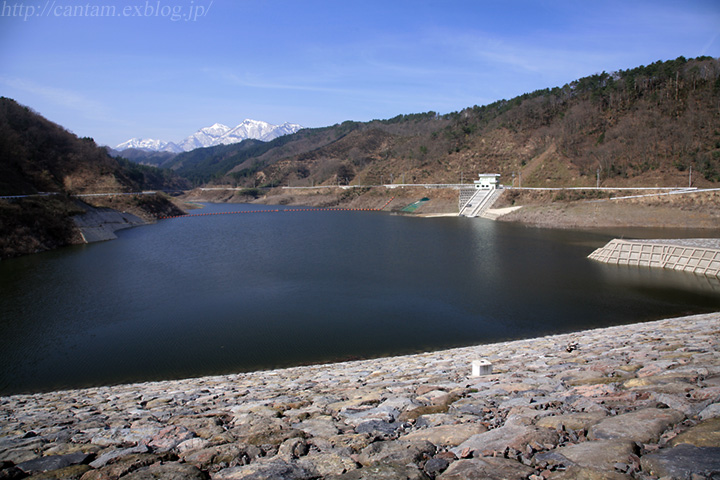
{"points": [[205, 137], [286, 129], [217, 134], [258, 130], [149, 145]]}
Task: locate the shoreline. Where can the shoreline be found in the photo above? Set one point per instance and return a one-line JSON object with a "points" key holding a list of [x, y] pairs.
{"points": [[554, 406], [698, 210], [571, 208]]}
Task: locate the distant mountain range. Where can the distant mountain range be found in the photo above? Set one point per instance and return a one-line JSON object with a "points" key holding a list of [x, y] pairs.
{"points": [[217, 134]]}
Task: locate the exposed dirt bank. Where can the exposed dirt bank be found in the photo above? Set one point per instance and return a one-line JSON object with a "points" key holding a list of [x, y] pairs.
{"points": [[441, 200], [691, 210]]}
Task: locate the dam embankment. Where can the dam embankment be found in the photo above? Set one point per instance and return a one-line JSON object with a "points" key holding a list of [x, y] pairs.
{"points": [[629, 401]]}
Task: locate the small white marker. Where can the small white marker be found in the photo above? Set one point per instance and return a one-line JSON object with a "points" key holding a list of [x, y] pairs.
{"points": [[481, 367]]}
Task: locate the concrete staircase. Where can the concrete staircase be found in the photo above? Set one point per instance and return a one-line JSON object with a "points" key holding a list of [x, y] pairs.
{"points": [[485, 213], [479, 202]]}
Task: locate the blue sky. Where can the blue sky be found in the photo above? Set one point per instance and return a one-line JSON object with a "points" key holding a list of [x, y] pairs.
{"points": [[143, 73]]}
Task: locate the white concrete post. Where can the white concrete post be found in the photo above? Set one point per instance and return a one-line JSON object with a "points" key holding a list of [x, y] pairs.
{"points": [[481, 367]]}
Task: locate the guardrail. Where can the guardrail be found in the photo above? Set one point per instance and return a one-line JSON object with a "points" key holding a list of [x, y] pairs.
{"points": [[39, 194], [48, 194], [389, 185], [113, 194], [685, 189]]}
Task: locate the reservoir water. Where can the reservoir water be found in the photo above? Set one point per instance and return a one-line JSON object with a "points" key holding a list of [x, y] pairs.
{"points": [[229, 293]]}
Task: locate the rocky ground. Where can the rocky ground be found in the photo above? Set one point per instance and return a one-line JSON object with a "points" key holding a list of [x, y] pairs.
{"points": [[636, 401]]}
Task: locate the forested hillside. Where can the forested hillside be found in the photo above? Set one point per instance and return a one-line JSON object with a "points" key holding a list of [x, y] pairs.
{"points": [[648, 125], [37, 155]]}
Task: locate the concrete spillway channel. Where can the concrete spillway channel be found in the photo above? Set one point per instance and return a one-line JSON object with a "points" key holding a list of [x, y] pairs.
{"points": [[697, 255]]}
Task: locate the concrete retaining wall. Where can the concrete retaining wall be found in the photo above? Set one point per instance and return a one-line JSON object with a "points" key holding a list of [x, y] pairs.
{"points": [[700, 256], [100, 224]]}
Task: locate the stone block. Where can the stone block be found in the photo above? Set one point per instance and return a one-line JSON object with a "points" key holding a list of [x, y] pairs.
{"points": [[683, 461]]}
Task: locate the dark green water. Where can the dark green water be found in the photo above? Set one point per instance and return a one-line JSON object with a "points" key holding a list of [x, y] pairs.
{"points": [[229, 293]]}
